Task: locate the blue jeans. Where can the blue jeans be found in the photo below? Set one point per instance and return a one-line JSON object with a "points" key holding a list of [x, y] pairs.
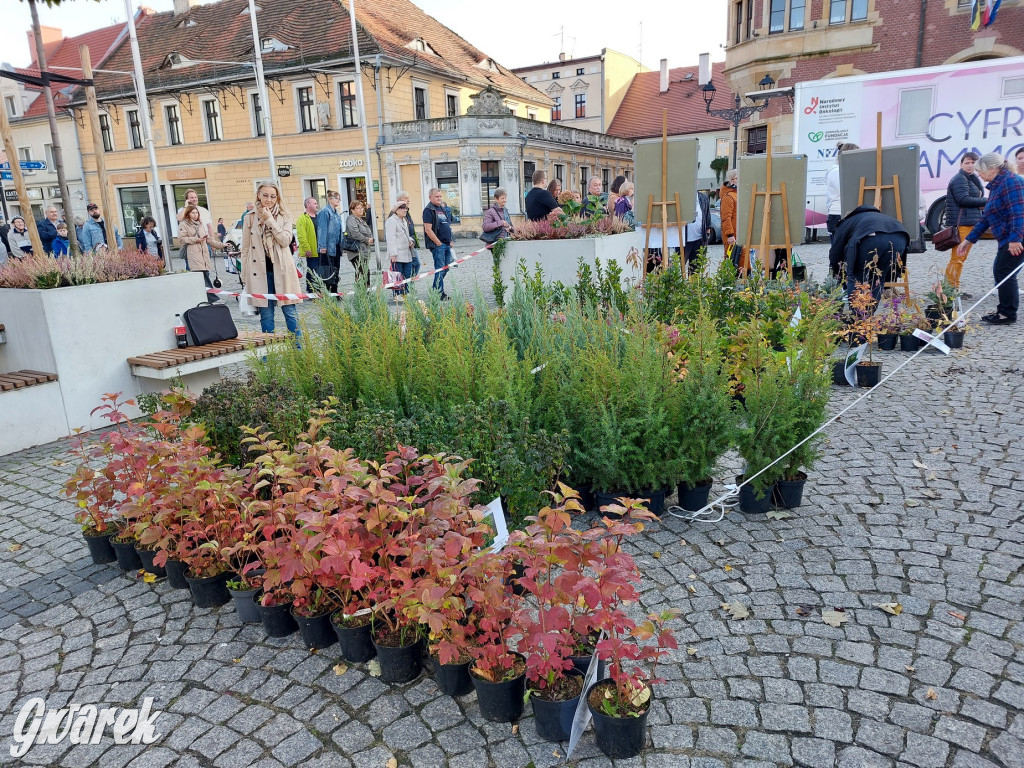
{"points": [[442, 257], [406, 269], [291, 314]]}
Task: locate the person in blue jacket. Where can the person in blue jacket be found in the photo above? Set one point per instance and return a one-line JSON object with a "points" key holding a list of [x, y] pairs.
{"points": [[59, 245], [94, 233]]}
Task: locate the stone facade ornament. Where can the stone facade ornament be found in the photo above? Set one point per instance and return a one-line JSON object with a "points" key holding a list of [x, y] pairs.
{"points": [[488, 102]]}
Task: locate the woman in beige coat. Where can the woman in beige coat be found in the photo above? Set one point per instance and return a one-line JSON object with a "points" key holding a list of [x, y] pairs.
{"points": [[267, 262], [401, 247], [193, 235]]}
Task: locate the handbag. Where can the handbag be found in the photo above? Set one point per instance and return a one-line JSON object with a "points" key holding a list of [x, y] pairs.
{"points": [[391, 278], [349, 244], [491, 237], [948, 238], [209, 322]]}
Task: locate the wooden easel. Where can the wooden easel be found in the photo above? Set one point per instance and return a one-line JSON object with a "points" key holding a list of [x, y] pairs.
{"points": [[768, 193], [663, 204], [878, 188]]}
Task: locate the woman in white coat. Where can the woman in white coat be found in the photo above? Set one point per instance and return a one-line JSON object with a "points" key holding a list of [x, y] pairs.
{"points": [[267, 262], [401, 247], [833, 208]]}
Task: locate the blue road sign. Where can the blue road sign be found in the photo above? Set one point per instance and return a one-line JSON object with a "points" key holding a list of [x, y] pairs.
{"points": [[27, 165]]}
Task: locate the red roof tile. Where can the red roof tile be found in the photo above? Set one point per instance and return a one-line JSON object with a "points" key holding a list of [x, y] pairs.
{"points": [[639, 114], [99, 41], [317, 31]]}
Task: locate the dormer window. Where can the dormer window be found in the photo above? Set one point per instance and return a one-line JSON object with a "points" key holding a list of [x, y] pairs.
{"points": [[489, 65], [420, 45], [272, 45], [175, 60]]}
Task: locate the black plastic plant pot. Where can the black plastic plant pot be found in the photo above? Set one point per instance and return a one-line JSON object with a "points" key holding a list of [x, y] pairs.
{"points": [[953, 339], [501, 702], [518, 571], [618, 737], [789, 494], [932, 312], [750, 502], [100, 549], [887, 341], [453, 679], [839, 373], [146, 556], [399, 664], [554, 718], [694, 497], [247, 610], [127, 558], [799, 273], [316, 631], [868, 374], [277, 619], [209, 591], [586, 493], [604, 498], [176, 573], [910, 343], [354, 640], [655, 500], [582, 664]]}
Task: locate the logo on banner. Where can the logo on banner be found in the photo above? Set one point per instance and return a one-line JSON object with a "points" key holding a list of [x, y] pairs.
{"points": [[816, 136], [37, 724], [813, 108]]}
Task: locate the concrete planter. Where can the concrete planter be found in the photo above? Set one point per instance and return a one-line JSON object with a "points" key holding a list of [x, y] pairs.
{"points": [[559, 258], [85, 334]]}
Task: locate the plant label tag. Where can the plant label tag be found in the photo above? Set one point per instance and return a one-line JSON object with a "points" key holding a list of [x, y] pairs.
{"points": [[933, 341], [581, 719], [851, 368], [796, 318], [500, 525]]}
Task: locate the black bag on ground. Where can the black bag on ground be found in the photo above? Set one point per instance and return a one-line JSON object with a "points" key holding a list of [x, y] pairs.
{"points": [[208, 322]]}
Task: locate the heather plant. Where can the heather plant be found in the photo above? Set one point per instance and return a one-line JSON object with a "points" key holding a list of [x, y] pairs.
{"points": [[42, 271]]}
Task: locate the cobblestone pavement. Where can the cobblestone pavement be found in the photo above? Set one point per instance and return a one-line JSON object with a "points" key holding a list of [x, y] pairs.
{"points": [[917, 500]]}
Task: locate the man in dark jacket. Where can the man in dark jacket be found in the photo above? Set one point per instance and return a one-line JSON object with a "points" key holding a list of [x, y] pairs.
{"points": [[47, 228], [965, 197], [868, 247]]}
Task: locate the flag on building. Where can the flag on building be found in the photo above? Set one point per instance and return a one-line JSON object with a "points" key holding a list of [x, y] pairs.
{"points": [[978, 9], [992, 7]]}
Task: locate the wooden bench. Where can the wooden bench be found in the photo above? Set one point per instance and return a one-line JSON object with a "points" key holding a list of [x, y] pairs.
{"points": [[178, 363], [20, 379]]}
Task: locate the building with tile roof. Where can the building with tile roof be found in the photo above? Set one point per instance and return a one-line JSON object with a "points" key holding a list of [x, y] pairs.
{"points": [[419, 79], [26, 109], [678, 91]]}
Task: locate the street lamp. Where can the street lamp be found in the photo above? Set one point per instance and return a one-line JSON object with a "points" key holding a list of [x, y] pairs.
{"points": [[740, 112]]}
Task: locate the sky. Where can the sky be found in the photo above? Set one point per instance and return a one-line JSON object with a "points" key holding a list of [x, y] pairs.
{"points": [[515, 34]]}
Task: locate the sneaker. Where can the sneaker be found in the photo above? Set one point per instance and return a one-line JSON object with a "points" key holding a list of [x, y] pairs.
{"points": [[445, 297], [966, 296]]}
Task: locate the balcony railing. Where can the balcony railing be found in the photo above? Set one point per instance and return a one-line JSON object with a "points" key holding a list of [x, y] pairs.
{"points": [[477, 126]]}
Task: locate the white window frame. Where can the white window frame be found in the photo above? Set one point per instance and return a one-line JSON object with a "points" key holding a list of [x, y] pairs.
{"points": [[254, 96], [448, 92], [110, 130], [338, 109], [425, 86], [219, 119], [128, 128], [51, 163], [11, 105], [930, 89], [296, 87], [26, 155], [167, 123]]}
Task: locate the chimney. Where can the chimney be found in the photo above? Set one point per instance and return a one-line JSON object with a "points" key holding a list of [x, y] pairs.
{"points": [[184, 6], [664, 75], [52, 38]]}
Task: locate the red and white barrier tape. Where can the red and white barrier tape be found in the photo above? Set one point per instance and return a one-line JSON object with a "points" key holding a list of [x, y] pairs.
{"points": [[388, 286]]}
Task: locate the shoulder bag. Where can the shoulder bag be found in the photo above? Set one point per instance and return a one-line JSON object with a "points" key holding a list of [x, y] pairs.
{"points": [[209, 322], [948, 238]]}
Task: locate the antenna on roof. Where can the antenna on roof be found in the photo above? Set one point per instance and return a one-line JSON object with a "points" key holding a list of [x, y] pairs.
{"points": [[561, 42]]}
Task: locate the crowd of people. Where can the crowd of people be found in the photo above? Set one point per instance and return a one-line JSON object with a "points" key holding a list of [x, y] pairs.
{"points": [[324, 235]]}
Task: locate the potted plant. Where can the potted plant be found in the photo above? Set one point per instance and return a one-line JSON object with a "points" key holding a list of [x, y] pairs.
{"points": [[866, 324], [242, 559], [911, 318], [890, 324], [941, 300], [703, 418]]}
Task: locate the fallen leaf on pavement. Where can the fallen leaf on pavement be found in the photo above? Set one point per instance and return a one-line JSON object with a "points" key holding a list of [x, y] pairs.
{"points": [[515, 728], [148, 577], [911, 503], [692, 588], [894, 608], [720, 542], [392, 763], [956, 615], [656, 554], [691, 651], [834, 618], [683, 542], [910, 668], [373, 668], [930, 493], [931, 477], [920, 464], [340, 669], [804, 610], [777, 514], [934, 450], [737, 610], [945, 412], [14, 547], [693, 575], [931, 695], [727, 568]]}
